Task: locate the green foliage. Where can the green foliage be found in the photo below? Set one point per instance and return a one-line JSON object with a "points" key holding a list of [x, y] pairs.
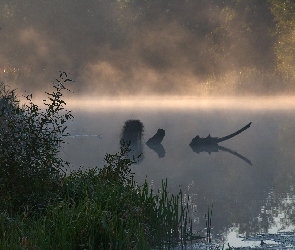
{"points": [[284, 13], [128, 216], [96, 210], [99, 208], [118, 166], [30, 141]]}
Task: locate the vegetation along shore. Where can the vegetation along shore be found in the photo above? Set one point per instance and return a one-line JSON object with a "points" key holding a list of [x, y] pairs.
{"points": [[43, 205]]}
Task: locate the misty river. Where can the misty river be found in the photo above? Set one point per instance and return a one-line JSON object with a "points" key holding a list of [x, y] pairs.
{"points": [[252, 189]]}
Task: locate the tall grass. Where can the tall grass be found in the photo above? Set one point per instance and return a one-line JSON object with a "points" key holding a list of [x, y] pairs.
{"points": [[99, 208], [95, 209]]}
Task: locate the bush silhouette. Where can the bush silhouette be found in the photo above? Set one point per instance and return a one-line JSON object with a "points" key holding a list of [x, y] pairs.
{"points": [[30, 140]]}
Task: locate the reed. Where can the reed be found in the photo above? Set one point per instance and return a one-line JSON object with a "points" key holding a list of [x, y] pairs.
{"points": [[208, 218], [41, 207], [98, 209]]}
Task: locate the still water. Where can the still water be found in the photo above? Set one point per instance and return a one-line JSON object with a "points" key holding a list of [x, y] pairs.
{"points": [[251, 194]]}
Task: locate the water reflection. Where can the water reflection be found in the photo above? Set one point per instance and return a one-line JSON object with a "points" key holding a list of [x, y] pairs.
{"points": [[250, 199], [215, 148], [210, 144], [154, 143], [132, 132]]}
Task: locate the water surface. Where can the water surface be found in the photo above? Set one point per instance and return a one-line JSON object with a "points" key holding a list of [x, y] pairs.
{"points": [[248, 197]]}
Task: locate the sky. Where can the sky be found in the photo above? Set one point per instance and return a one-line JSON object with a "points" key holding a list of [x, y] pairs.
{"points": [[131, 47]]}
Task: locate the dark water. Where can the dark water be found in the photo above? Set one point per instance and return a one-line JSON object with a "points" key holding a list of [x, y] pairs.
{"points": [[247, 199]]}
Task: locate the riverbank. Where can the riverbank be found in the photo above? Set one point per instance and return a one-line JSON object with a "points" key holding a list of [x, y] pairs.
{"points": [[100, 208]]}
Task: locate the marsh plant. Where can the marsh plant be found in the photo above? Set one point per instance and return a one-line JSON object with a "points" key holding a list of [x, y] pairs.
{"points": [[208, 218], [42, 207], [30, 139]]}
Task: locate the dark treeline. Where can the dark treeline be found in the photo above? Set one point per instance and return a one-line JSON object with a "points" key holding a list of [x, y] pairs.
{"points": [[232, 28], [165, 46], [228, 30]]}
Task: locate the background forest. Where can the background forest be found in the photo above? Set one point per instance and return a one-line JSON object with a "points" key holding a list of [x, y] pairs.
{"points": [[151, 47]]}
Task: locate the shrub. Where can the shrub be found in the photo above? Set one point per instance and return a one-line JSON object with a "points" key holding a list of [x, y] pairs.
{"points": [[101, 208], [30, 140]]}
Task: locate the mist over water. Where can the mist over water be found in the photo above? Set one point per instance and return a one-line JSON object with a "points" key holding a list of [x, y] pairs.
{"points": [[141, 47], [183, 103], [187, 67], [247, 199]]}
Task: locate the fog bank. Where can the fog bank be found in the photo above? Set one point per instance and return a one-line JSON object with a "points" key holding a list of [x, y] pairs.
{"points": [[113, 47]]}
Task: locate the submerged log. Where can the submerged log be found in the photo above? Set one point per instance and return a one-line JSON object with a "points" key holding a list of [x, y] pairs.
{"points": [[132, 132], [234, 134], [210, 144], [154, 143], [210, 141], [157, 138]]}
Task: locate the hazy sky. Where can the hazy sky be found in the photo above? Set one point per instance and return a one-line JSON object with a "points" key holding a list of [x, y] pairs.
{"points": [[131, 47]]}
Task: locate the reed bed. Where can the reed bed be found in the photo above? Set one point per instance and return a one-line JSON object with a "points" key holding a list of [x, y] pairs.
{"points": [[96, 209]]}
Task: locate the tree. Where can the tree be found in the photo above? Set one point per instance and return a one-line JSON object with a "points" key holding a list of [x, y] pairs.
{"points": [[284, 14]]}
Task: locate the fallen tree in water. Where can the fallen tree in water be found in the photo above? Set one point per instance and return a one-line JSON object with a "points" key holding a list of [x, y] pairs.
{"points": [[154, 143], [210, 144], [213, 141]]}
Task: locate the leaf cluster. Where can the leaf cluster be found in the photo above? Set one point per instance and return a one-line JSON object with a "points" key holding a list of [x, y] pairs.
{"points": [[30, 139], [41, 207]]}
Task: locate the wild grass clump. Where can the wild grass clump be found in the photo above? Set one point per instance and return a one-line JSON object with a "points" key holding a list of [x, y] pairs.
{"points": [[101, 208], [98, 209]]}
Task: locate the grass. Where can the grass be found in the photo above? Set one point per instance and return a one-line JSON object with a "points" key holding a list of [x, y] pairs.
{"points": [[42, 207], [99, 209]]}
